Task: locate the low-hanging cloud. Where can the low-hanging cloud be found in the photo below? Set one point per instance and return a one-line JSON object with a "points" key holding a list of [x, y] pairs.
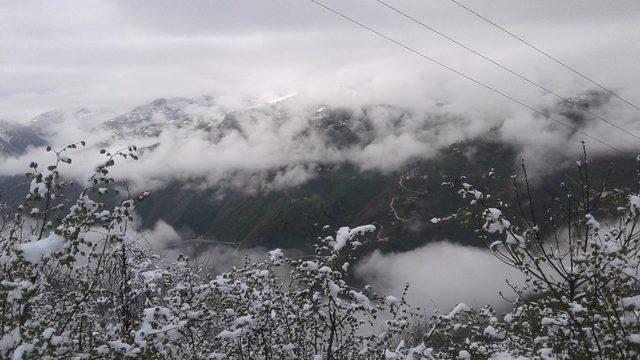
{"points": [[270, 147], [440, 274], [274, 146], [110, 57], [119, 54]]}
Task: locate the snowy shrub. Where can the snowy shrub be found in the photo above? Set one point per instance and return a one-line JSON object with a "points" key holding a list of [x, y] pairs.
{"points": [[76, 282], [578, 251]]}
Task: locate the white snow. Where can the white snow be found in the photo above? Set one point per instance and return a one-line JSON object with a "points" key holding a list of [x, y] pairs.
{"points": [[592, 223], [230, 335], [38, 187], [246, 320], [493, 332], [263, 273], [275, 256], [506, 356], [361, 298], [634, 204], [494, 221], [281, 99], [334, 289], [514, 239], [577, 308], [462, 307], [345, 234], [36, 251], [631, 301], [48, 332], [10, 339], [551, 321], [309, 266]]}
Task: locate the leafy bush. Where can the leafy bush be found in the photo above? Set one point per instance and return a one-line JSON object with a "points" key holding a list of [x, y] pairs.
{"points": [[581, 294]]}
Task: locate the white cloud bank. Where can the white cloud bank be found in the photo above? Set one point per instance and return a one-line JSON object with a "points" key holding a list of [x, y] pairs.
{"points": [[441, 274], [111, 56]]}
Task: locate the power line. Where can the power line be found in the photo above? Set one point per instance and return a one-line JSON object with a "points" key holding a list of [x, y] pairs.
{"points": [[547, 55], [488, 87], [585, 108]]}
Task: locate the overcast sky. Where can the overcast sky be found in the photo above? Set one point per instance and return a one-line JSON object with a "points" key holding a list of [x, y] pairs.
{"points": [[116, 54]]}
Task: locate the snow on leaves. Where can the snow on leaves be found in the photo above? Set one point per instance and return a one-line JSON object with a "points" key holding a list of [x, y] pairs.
{"points": [[579, 298]]}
